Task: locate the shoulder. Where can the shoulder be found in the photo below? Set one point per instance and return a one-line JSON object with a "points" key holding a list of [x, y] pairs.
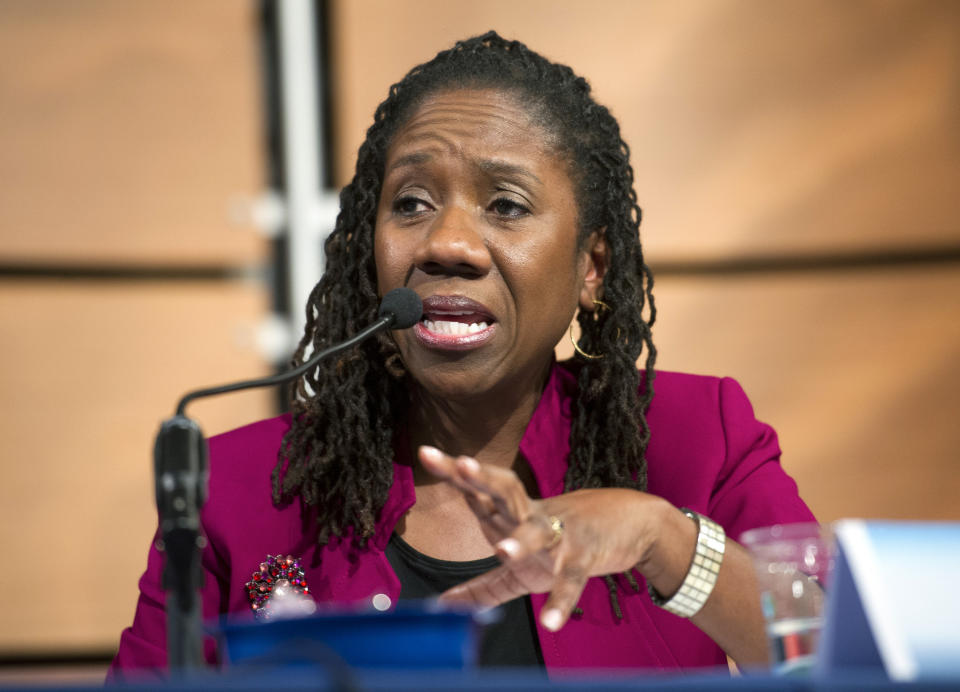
{"points": [[700, 391], [702, 433], [242, 461], [690, 416], [696, 413], [250, 441], [708, 451], [701, 396], [261, 430], [675, 393], [699, 419]]}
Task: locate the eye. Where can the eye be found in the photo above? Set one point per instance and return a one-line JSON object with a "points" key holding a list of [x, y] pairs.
{"points": [[409, 205], [509, 208]]}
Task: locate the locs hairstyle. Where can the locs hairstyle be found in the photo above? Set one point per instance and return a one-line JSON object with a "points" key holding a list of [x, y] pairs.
{"points": [[337, 456]]}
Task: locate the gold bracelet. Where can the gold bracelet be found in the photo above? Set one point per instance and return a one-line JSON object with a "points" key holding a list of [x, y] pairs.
{"points": [[702, 575]]}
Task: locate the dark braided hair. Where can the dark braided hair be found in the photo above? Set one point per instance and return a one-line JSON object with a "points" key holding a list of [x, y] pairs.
{"points": [[337, 456]]}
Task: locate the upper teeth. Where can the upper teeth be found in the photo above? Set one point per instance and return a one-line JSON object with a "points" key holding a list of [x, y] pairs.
{"points": [[444, 327]]}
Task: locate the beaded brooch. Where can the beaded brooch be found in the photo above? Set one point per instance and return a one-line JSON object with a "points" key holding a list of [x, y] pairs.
{"points": [[279, 577]]}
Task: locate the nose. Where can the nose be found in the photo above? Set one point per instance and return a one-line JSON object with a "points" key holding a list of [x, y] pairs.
{"points": [[454, 244]]}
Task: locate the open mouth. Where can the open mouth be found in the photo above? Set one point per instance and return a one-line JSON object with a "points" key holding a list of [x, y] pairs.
{"points": [[453, 328], [454, 322]]}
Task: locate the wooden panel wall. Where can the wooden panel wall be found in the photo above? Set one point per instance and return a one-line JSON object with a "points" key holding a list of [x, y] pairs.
{"points": [[127, 131], [89, 371]]}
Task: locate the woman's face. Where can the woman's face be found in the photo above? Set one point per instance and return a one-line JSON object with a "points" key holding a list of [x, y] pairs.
{"points": [[478, 215]]}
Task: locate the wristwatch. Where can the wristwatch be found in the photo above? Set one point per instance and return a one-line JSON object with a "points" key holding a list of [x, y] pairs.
{"points": [[702, 575]]}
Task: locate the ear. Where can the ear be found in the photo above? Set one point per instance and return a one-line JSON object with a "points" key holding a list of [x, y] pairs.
{"points": [[596, 258]]}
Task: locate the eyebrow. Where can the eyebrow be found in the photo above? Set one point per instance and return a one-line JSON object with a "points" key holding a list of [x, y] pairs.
{"points": [[414, 159], [504, 168], [488, 166]]}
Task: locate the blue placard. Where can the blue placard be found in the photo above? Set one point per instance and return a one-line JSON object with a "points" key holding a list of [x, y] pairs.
{"points": [[417, 636], [894, 601]]}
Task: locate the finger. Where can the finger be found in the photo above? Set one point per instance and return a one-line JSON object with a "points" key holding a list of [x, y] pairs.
{"points": [[534, 537], [497, 586], [467, 474], [495, 525], [458, 471], [503, 485], [563, 597], [446, 467], [436, 462]]}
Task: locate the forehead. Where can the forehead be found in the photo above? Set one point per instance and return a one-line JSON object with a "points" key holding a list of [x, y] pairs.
{"points": [[487, 119]]}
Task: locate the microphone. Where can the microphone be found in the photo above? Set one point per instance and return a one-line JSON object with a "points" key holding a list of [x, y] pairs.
{"points": [[181, 473], [401, 308], [404, 306]]}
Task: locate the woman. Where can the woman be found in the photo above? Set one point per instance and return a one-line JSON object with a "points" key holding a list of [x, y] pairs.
{"points": [[458, 456]]}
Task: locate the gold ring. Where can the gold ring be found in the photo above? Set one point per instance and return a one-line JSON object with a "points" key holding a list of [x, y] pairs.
{"points": [[556, 525]]}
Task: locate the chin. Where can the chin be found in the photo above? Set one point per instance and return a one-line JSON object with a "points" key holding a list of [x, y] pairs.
{"points": [[452, 386]]}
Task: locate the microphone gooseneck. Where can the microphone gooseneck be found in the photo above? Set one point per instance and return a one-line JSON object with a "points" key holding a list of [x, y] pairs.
{"points": [[401, 308], [181, 472]]}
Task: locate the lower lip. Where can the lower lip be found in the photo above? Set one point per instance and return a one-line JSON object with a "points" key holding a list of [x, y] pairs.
{"points": [[452, 342]]}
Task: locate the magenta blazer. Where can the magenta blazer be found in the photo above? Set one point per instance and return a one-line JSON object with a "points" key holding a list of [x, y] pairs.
{"points": [[707, 452]]}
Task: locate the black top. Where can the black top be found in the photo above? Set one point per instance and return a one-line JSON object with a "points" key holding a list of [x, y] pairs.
{"points": [[511, 640]]}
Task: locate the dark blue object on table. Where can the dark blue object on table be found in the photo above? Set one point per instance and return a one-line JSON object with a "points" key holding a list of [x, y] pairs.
{"points": [[406, 638]]}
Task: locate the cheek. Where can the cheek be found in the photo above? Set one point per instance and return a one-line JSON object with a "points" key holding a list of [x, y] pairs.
{"points": [[547, 279], [379, 259], [560, 266], [385, 256]]}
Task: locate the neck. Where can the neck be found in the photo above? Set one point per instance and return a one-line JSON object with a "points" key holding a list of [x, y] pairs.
{"points": [[487, 427]]}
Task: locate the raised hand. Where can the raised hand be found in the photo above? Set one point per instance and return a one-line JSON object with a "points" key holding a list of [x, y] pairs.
{"points": [[552, 545]]}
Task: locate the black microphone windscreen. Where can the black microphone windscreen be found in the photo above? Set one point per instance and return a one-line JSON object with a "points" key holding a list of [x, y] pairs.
{"points": [[404, 305]]}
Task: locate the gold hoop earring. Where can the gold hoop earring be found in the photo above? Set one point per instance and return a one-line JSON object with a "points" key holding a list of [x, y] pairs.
{"points": [[576, 346]]}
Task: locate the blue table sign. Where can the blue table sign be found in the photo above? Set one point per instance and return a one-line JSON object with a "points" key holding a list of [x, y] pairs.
{"points": [[894, 601]]}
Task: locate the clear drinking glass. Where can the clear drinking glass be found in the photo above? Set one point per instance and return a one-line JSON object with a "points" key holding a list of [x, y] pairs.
{"points": [[792, 562]]}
